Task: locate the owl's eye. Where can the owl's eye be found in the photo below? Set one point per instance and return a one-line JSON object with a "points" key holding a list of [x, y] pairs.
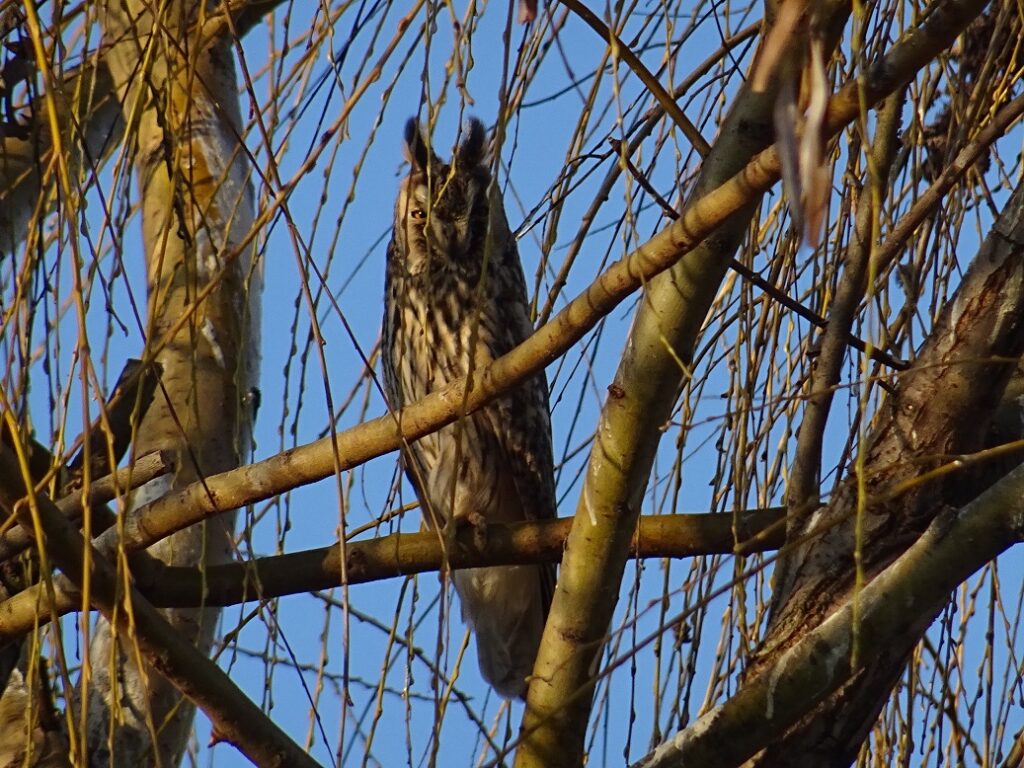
{"points": [[418, 213]]}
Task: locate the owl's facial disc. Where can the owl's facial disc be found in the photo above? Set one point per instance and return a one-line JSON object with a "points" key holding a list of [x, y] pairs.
{"points": [[443, 226]]}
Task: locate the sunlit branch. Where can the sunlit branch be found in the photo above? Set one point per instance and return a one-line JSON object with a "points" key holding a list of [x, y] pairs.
{"points": [[101, 490], [558, 702], [402, 554]]}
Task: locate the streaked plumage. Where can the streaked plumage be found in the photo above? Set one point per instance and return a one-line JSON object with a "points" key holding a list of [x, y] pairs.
{"points": [[456, 300]]}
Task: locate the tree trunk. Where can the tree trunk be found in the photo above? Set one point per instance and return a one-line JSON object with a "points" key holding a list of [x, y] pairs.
{"points": [[202, 326]]}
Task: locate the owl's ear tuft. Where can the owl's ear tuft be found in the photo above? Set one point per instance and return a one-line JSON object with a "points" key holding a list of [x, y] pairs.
{"points": [[417, 152], [474, 145]]}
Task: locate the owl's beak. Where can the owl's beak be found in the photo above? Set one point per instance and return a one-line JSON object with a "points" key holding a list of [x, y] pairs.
{"points": [[460, 237]]}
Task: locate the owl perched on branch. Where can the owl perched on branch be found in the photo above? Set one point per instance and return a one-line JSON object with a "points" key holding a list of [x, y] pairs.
{"points": [[456, 300]]}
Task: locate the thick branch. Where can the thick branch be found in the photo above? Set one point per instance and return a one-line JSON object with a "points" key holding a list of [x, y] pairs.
{"points": [[942, 407], [180, 93], [407, 553], [642, 394], [101, 491], [804, 482], [91, 119]]}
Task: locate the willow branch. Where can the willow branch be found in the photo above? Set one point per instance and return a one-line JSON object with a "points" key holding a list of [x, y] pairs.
{"points": [[804, 482], [640, 399], [100, 491], [770, 289], [623, 51], [901, 232], [943, 406], [648, 123], [91, 119], [402, 554], [91, 125]]}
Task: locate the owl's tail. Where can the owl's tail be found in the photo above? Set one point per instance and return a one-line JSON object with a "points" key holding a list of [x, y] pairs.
{"points": [[506, 607]]}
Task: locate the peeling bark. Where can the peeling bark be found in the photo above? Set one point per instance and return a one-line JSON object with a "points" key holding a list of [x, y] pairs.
{"points": [[942, 408]]}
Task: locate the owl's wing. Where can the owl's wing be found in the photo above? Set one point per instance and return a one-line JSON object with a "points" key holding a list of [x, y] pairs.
{"points": [[523, 420], [414, 463], [525, 429], [415, 456], [523, 415], [524, 424]]}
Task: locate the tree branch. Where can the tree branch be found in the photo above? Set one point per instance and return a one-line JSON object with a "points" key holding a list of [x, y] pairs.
{"points": [[180, 93], [654, 362], [92, 125], [943, 406], [402, 554], [802, 491], [101, 490]]}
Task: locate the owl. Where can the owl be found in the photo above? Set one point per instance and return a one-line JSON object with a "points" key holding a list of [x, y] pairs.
{"points": [[456, 300]]}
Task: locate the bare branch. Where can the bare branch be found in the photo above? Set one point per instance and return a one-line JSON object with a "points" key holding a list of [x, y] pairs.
{"points": [[101, 491], [943, 406], [315, 461], [804, 483], [402, 554]]}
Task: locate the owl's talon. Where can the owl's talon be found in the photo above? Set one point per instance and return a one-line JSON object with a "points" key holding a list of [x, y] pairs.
{"points": [[474, 521], [479, 523], [450, 533]]}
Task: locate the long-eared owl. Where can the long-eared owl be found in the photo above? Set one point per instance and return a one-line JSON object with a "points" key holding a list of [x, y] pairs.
{"points": [[456, 300]]}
